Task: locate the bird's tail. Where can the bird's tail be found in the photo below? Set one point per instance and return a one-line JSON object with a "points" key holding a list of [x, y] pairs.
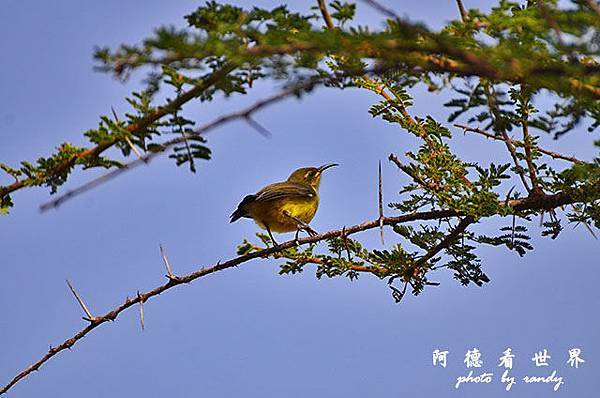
{"points": [[241, 210]]}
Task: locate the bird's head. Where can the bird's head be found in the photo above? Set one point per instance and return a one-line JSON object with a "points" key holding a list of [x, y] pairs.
{"points": [[310, 175]]}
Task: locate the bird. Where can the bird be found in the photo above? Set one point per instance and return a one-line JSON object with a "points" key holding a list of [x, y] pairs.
{"points": [[285, 206]]}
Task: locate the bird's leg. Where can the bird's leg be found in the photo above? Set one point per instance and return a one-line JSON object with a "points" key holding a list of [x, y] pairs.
{"points": [[301, 225], [275, 244], [296, 241]]}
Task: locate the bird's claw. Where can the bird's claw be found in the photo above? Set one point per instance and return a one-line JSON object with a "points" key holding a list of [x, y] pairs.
{"points": [[310, 231]]}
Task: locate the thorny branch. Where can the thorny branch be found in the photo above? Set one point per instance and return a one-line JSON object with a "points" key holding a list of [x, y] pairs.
{"points": [[132, 128], [536, 203], [244, 114], [437, 56], [89, 316]]}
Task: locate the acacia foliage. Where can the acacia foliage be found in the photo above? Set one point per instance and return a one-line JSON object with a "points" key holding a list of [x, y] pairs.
{"points": [[496, 64]]}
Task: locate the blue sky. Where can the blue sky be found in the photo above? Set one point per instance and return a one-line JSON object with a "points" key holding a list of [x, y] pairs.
{"points": [[248, 331]]}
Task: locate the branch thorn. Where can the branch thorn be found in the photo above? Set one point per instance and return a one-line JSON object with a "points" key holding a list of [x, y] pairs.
{"points": [[257, 126], [89, 317], [170, 274], [141, 300], [381, 218], [133, 148]]}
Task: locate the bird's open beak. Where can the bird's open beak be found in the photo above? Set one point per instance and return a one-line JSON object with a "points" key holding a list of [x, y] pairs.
{"points": [[326, 166]]}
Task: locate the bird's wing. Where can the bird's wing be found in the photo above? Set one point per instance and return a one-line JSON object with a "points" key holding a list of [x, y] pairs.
{"points": [[284, 190]]}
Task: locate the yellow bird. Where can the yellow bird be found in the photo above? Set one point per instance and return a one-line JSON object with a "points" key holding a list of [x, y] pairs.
{"points": [[285, 206]]}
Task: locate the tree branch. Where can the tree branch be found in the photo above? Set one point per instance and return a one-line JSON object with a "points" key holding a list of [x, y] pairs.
{"points": [[447, 241], [380, 203], [436, 56], [325, 14], [535, 203], [594, 6], [377, 271], [380, 90], [462, 10], [89, 317], [415, 177], [132, 128], [506, 139], [554, 155], [243, 114], [528, 155], [384, 10]]}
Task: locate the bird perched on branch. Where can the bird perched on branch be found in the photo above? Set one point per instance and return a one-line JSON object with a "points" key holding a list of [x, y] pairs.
{"points": [[285, 206]]}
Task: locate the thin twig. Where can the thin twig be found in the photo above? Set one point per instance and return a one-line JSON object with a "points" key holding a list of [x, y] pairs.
{"points": [[594, 6], [528, 156], [188, 149], [345, 240], [447, 241], [325, 14], [513, 153], [415, 177], [375, 270], [507, 140], [380, 202], [552, 154], [551, 22], [89, 317], [513, 230], [382, 9], [463, 12], [380, 89]]}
